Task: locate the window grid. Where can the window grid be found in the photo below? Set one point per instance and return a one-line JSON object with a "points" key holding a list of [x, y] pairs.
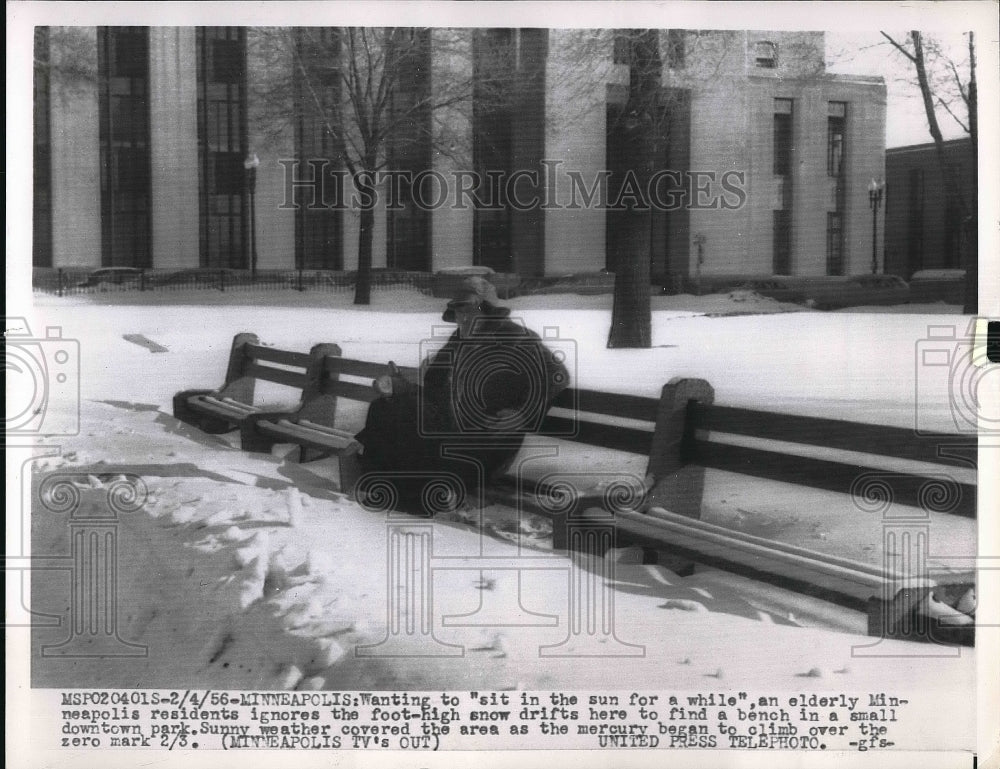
{"points": [[319, 212], [222, 145], [123, 107]]}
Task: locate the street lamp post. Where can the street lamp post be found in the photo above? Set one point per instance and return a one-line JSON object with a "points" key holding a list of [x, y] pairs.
{"points": [[699, 240], [875, 190], [250, 164]]}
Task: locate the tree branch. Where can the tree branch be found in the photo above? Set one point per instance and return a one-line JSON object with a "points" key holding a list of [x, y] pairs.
{"points": [[899, 47], [955, 117]]}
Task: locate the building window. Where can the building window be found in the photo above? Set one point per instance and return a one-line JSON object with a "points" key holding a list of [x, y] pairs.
{"points": [[41, 234], [316, 96], [222, 146], [409, 148], [508, 134], [835, 126], [676, 48], [622, 53], [765, 55], [123, 105], [915, 219], [782, 137], [834, 243], [782, 243]]}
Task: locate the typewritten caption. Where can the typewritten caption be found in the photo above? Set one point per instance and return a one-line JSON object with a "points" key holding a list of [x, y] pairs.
{"points": [[212, 720]]}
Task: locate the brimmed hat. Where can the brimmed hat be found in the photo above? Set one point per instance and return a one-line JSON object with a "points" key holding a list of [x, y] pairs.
{"points": [[477, 291]]}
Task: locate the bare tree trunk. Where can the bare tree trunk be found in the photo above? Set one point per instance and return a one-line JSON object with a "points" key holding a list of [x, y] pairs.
{"points": [[971, 223], [363, 280], [630, 315]]}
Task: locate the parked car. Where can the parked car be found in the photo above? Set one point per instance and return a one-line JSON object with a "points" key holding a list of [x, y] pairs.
{"points": [[197, 277], [938, 286], [118, 276], [777, 287], [830, 293]]}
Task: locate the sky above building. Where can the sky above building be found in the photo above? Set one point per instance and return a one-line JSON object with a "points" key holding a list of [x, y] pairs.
{"points": [[869, 53]]}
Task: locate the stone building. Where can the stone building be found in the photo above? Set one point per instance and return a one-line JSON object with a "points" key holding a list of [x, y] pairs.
{"points": [[923, 229], [763, 157]]}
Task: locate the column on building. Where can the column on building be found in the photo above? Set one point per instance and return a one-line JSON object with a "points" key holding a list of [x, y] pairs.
{"points": [[313, 182], [75, 150], [865, 98], [575, 133], [451, 71], [508, 118], [173, 110], [527, 238], [416, 194], [731, 130], [271, 136], [816, 177]]}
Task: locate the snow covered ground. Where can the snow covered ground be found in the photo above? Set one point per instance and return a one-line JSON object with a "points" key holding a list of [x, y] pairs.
{"points": [[253, 571]]}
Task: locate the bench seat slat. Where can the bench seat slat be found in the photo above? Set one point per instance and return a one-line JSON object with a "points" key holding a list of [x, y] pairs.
{"points": [[232, 402], [896, 442], [220, 408], [316, 437]]}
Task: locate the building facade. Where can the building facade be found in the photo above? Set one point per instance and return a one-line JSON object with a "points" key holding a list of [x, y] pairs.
{"points": [[923, 228], [761, 158]]}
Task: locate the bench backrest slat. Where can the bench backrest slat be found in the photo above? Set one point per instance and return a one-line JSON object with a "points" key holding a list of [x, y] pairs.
{"points": [[907, 489], [897, 442], [350, 390], [282, 376], [362, 368], [617, 437], [608, 404]]}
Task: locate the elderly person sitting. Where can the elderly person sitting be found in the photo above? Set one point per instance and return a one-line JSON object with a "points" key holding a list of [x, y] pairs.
{"points": [[479, 395]]}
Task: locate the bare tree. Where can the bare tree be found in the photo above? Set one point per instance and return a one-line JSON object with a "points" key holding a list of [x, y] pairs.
{"points": [[356, 82], [630, 314], [944, 86]]}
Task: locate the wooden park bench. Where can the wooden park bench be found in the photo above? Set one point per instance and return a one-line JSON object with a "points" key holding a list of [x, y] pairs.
{"points": [[229, 406], [677, 436], [892, 472]]}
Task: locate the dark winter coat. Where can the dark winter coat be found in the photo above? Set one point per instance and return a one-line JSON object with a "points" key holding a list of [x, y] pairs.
{"points": [[479, 395], [498, 381]]}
